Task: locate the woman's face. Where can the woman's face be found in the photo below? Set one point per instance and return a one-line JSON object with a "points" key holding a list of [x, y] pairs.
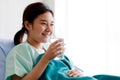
{"points": [[41, 28]]}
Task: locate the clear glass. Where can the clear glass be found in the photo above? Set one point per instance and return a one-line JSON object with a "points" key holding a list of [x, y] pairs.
{"points": [[60, 56]]}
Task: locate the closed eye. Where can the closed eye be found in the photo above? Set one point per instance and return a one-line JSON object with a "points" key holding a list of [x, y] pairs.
{"points": [[52, 24], [44, 23]]}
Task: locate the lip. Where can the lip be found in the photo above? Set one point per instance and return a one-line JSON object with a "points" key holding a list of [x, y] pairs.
{"points": [[46, 35]]}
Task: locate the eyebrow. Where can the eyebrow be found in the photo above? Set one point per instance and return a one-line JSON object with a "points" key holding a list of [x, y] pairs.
{"points": [[45, 20]]}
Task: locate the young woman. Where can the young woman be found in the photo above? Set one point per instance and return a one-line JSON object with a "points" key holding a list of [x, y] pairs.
{"points": [[21, 62], [29, 60]]}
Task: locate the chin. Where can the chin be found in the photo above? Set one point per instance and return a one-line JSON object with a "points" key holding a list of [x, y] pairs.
{"points": [[45, 41]]}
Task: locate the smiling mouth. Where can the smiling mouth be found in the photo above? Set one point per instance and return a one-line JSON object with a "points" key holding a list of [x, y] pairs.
{"points": [[46, 35]]}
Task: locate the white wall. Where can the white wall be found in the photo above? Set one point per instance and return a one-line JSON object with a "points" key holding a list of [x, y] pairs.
{"points": [[93, 34], [11, 15]]}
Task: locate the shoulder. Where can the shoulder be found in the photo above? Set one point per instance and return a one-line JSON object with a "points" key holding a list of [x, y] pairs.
{"points": [[23, 45], [23, 49], [21, 58]]}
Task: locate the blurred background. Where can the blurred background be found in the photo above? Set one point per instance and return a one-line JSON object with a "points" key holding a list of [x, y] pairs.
{"points": [[91, 29]]}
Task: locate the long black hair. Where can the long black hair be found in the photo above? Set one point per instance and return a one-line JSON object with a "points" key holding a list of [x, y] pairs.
{"points": [[29, 14]]}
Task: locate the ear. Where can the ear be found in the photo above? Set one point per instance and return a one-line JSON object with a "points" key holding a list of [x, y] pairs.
{"points": [[28, 25]]}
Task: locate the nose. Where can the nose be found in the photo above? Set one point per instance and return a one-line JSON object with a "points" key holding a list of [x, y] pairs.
{"points": [[49, 28]]}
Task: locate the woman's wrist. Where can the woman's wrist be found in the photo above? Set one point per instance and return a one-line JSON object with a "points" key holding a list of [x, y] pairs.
{"points": [[46, 58]]}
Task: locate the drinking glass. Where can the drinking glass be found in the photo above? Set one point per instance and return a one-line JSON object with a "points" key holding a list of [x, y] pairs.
{"points": [[60, 56]]}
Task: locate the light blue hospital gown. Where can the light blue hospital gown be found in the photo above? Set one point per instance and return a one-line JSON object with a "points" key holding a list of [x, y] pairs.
{"points": [[21, 60]]}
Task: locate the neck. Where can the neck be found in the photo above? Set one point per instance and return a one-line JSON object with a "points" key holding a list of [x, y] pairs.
{"points": [[34, 43]]}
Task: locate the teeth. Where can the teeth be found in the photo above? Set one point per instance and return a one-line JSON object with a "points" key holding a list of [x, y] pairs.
{"points": [[46, 35]]}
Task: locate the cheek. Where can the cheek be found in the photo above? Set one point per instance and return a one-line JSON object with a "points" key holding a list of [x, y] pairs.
{"points": [[52, 33], [38, 30], [35, 33]]}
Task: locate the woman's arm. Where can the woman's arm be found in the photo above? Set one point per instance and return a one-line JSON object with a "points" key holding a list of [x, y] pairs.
{"points": [[36, 72], [54, 50]]}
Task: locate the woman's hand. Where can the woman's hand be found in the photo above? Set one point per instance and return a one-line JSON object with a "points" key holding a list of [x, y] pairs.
{"points": [[55, 49], [74, 73]]}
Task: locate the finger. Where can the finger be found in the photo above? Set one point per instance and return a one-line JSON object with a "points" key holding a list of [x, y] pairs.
{"points": [[57, 44], [59, 52], [73, 73], [77, 74], [59, 48], [59, 40]]}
